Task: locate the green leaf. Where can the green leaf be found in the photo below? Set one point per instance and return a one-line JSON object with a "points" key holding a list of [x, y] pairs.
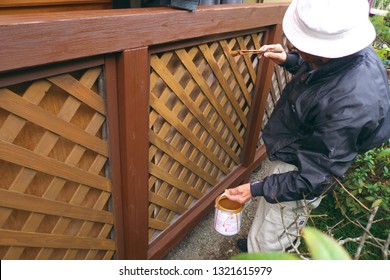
{"points": [[376, 203], [322, 246], [265, 256], [384, 153]]}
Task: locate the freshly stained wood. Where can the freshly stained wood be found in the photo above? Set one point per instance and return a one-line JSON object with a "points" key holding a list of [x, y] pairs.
{"points": [[171, 82], [163, 202], [184, 118], [218, 73], [39, 39], [174, 153], [172, 180], [158, 224], [187, 133], [237, 73], [210, 95]]}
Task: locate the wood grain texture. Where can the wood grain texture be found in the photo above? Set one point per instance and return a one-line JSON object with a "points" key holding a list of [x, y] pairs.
{"points": [[35, 114], [12, 7], [24, 157], [25, 202], [174, 147], [11, 3], [133, 77], [29, 40], [41, 197], [29, 239]]}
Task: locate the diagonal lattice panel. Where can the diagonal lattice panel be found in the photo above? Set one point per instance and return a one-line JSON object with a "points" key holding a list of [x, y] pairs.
{"points": [[200, 98], [55, 203]]}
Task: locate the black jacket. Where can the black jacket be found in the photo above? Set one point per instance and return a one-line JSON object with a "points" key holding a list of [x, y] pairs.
{"points": [[323, 120]]}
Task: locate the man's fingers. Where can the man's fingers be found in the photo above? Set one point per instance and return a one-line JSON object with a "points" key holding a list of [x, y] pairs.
{"points": [[273, 47]]}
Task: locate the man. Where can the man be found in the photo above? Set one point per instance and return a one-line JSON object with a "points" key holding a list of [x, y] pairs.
{"points": [[335, 107]]}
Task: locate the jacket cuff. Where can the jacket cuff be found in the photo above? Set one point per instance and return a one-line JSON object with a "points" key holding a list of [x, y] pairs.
{"points": [[256, 188], [291, 60]]}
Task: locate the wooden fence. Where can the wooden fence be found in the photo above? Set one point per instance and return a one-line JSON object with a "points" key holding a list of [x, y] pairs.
{"points": [[11, 7], [119, 128]]}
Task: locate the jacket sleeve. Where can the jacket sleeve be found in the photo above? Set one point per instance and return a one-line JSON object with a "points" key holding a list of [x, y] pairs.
{"points": [[313, 178], [292, 63], [330, 152]]}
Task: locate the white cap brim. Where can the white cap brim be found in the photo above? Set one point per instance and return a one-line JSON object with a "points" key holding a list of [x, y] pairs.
{"points": [[327, 45]]}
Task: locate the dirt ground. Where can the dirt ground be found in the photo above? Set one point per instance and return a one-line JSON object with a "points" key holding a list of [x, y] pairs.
{"points": [[205, 243]]}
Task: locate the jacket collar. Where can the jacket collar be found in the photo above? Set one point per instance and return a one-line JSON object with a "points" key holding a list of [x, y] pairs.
{"points": [[332, 67]]}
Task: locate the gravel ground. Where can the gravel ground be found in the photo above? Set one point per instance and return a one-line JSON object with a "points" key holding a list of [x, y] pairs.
{"points": [[205, 243]]}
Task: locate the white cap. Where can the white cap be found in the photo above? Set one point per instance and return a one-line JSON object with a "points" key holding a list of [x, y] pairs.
{"points": [[329, 28]]}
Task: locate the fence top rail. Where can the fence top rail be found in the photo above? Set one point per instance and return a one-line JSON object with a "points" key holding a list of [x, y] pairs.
{"points": [[29, 40]]}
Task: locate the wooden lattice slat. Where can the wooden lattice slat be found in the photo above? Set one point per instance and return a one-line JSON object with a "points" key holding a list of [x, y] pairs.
{"points": [[54, 203], [199, 104]]}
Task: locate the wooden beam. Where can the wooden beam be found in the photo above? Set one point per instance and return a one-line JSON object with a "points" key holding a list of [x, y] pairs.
{"points": [[110, 74], [29, 40], [133, 101], [35, 73], [261, 91]]}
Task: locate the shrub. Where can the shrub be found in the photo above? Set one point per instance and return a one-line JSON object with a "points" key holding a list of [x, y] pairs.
{"points": [[382, 29], [368, 180]]}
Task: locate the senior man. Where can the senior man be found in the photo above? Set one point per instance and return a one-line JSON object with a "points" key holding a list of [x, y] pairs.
{"points": [[335, 107]]}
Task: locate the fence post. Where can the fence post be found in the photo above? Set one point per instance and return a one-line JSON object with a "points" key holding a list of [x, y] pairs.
{"points": [[261, 92], [133, 100]]}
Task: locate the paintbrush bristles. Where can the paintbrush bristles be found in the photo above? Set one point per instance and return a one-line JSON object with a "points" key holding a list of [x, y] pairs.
{"points": [[234, 53]]}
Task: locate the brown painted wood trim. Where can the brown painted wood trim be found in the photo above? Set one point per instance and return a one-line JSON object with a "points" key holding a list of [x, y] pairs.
{"points": [[133, 101], [34, 73], [171, 236], [53, 8], [110, 76], [29, 40], [261, 91]]}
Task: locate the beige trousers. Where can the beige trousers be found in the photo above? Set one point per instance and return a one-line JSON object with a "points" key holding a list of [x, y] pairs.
{"points": [[274, 229]]}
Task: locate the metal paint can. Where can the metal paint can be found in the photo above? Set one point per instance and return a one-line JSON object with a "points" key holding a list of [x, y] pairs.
{"points": [[227, 218]]}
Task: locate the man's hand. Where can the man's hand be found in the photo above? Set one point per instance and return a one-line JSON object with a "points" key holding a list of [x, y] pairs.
{"points": [[241, 194], [274, 52]]}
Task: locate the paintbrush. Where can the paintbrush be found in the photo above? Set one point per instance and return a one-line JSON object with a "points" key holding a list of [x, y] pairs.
{"points": [[250, 52]]}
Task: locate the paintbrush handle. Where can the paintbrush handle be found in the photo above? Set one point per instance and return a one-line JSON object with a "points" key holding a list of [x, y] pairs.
{"points": [[243, 52]]}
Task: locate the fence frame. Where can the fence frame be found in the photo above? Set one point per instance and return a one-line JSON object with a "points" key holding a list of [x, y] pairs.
{"points": [[124, 40]]}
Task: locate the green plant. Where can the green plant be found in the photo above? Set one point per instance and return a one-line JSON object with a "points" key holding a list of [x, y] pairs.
{"points": [[368, 181], [357, 213], [383, 53], [381, 28]]}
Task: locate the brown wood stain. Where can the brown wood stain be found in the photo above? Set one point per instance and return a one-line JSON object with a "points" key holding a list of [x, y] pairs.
{"points": [[230, 205]]}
